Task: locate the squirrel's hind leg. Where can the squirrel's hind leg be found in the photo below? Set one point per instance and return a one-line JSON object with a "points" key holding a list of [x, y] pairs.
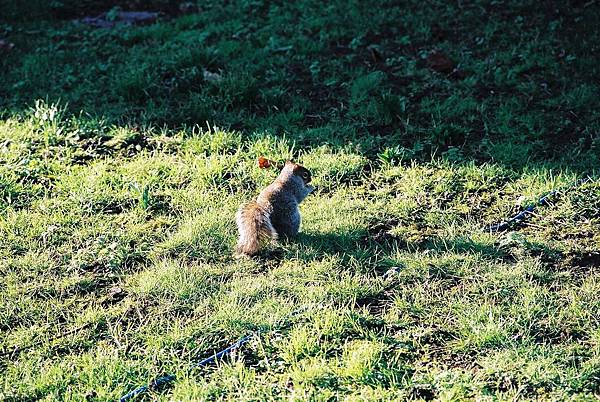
{"points": [[287, 226]]}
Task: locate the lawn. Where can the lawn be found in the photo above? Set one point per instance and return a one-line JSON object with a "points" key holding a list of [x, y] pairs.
{"points": [[125, 152]]}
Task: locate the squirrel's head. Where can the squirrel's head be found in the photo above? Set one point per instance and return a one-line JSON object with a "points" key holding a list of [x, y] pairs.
{"points": [[289, 167], [299, 170]]}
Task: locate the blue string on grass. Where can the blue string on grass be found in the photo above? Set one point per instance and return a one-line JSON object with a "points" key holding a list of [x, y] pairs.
{"points": [[521, 216], [170, 378], [160, 381]]}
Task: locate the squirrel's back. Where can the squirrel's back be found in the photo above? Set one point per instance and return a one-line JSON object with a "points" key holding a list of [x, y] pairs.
{"points": [[285, 215]]}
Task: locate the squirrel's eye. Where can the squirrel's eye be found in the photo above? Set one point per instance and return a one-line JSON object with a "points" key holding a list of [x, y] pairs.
{"points": [[305, 175]]}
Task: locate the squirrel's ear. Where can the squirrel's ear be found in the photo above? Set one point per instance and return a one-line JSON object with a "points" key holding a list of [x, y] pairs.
{"points": [[289, 162]]}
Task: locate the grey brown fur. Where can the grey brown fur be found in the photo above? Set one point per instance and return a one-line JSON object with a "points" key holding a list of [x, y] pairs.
{"points": [[275, 212]]}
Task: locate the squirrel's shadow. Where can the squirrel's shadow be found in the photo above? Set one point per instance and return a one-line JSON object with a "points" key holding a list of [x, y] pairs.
{"points": [[310, 245], [329, 242]]}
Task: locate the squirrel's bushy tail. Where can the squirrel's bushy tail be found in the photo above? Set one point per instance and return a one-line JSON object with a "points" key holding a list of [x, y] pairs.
{"points": [[254, 226]]}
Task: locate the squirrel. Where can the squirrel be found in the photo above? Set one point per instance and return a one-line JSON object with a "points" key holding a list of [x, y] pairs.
{"points": [[275, 212]]}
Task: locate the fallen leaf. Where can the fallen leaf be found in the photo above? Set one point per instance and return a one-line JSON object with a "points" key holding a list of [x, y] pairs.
{"points": [[265, 163], [439, 62]]}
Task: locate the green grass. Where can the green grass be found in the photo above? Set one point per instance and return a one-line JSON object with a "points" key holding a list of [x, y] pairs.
{"points": [[123, 159]]}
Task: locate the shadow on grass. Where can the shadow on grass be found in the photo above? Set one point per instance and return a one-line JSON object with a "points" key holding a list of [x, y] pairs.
{"points": [[379, 94], [310, 246]]}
